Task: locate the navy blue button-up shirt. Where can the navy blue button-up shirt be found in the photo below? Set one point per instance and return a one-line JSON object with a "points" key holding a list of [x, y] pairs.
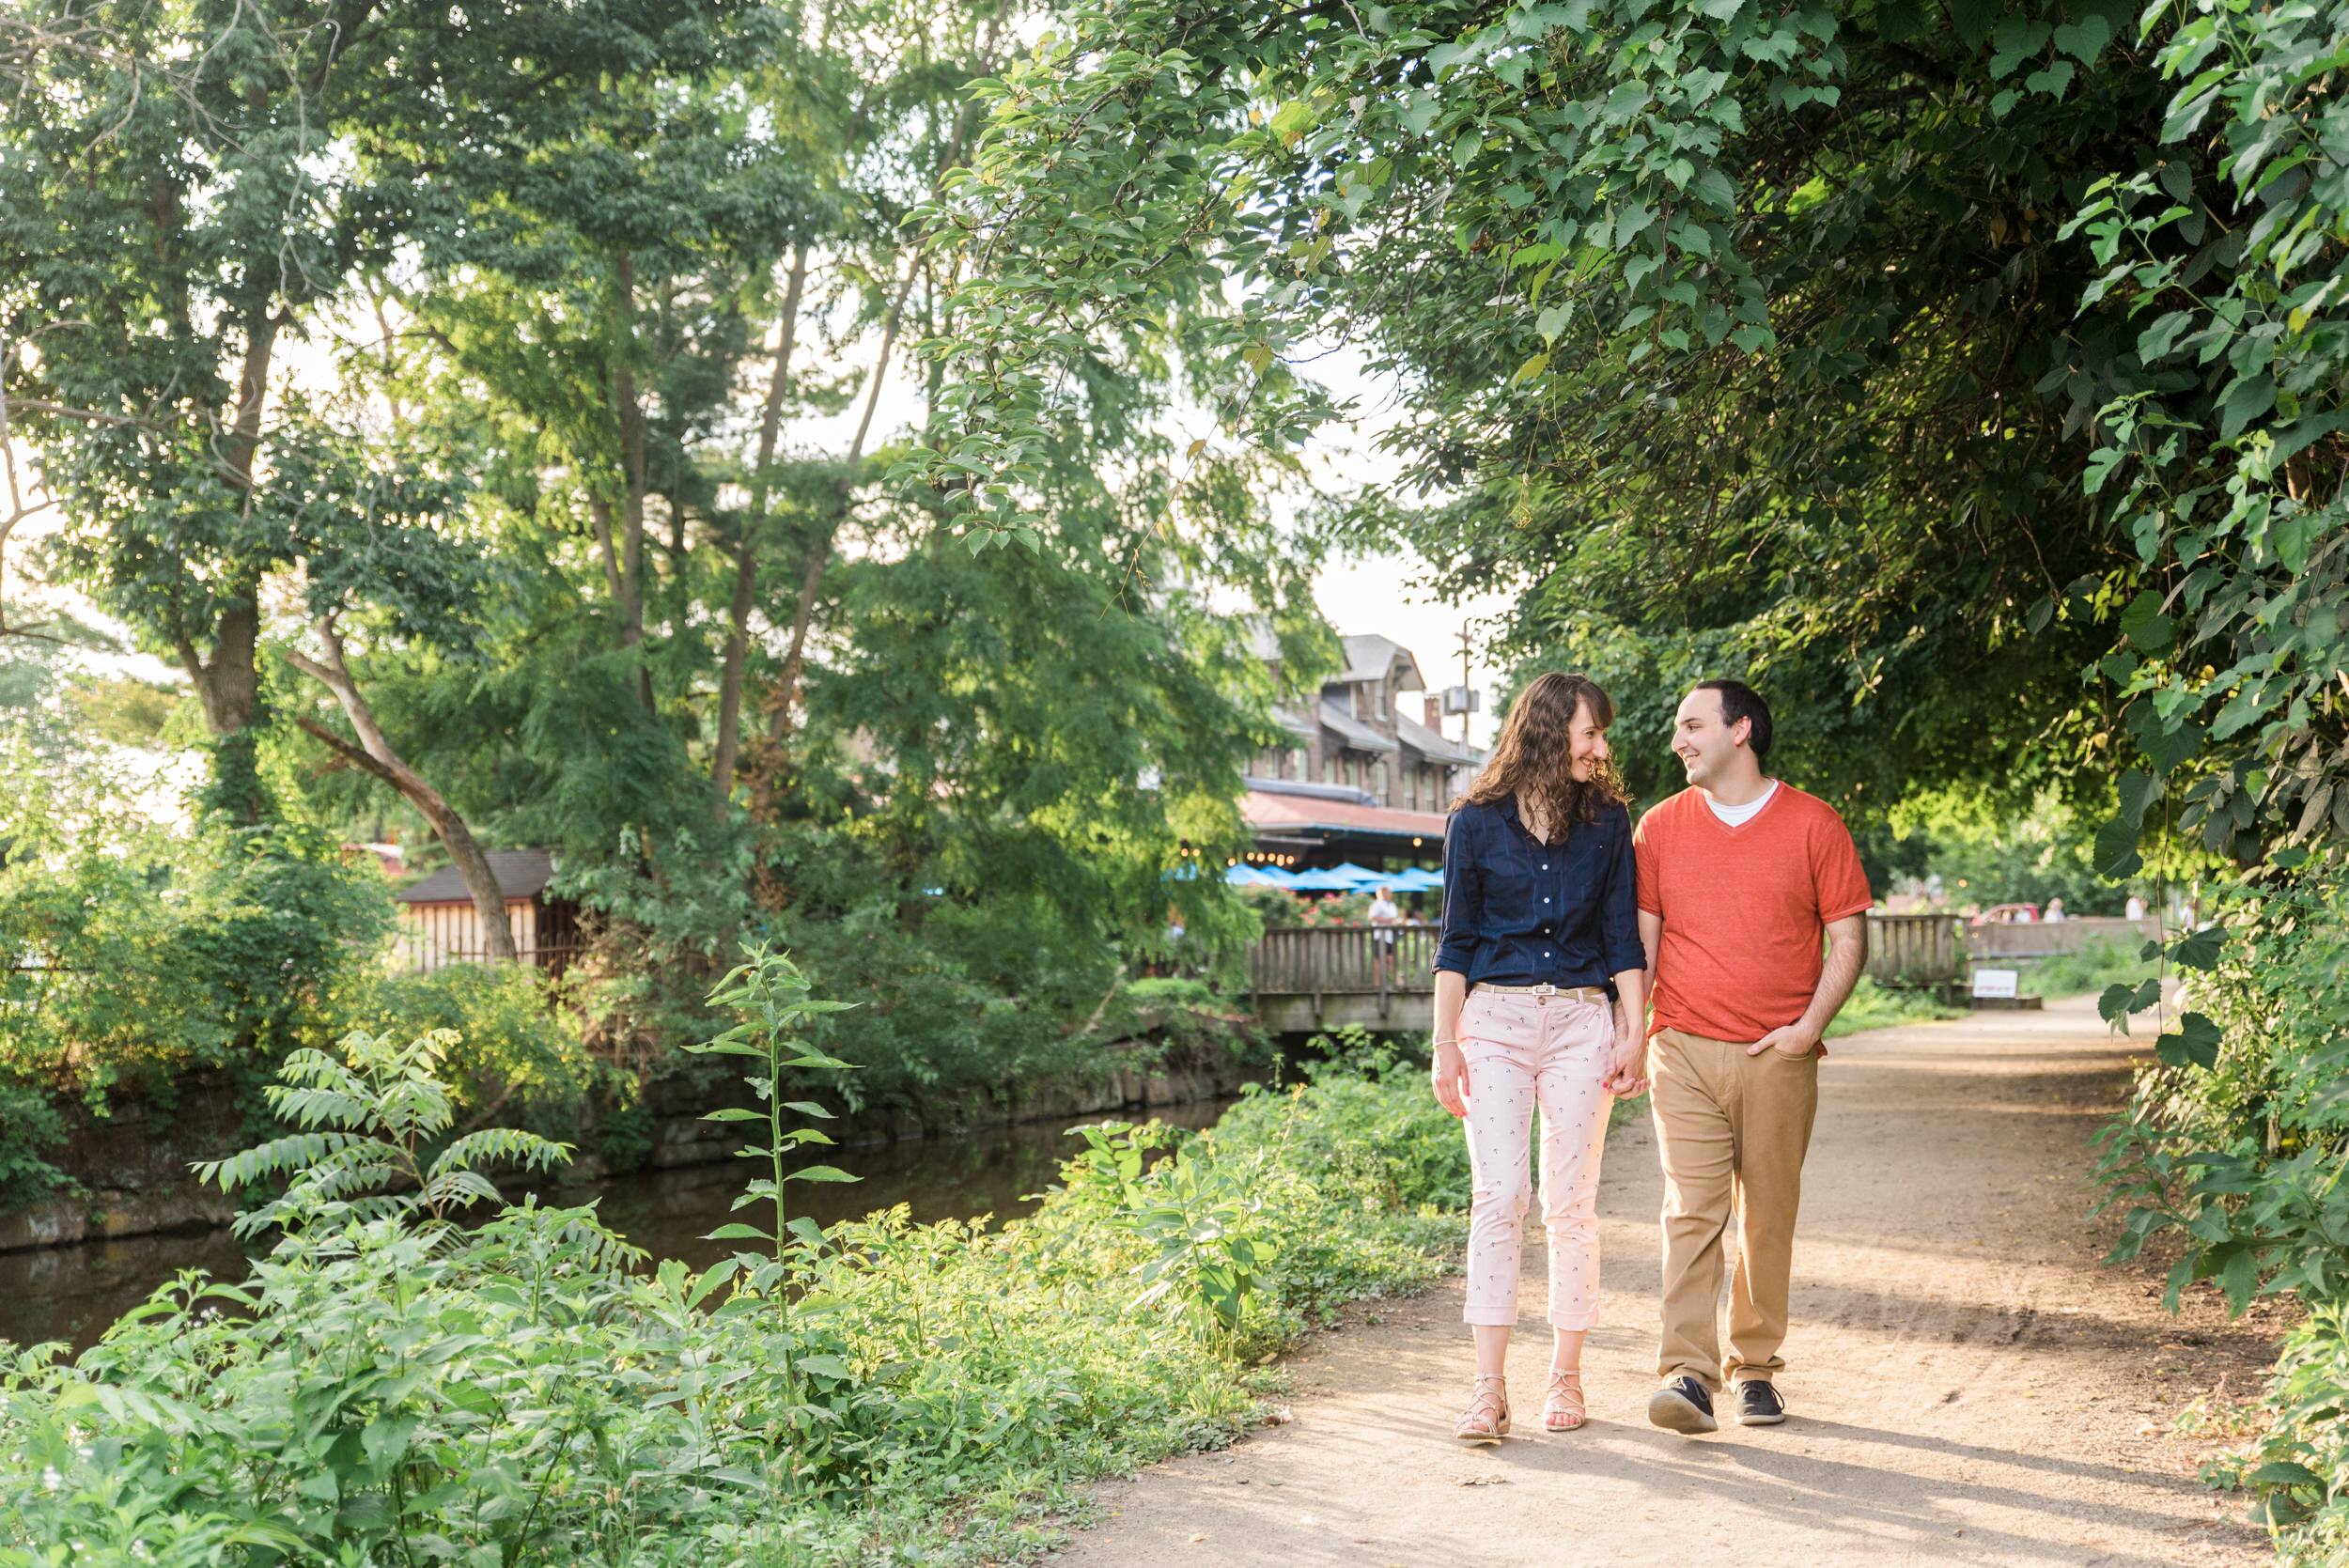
{"points": [[1517, 912]]}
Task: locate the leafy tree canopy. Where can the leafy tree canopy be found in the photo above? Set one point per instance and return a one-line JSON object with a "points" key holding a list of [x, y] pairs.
{"points": [[1806, 340]]}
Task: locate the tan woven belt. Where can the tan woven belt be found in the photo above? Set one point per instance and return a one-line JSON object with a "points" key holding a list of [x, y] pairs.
{"points": [[1543, 992]]}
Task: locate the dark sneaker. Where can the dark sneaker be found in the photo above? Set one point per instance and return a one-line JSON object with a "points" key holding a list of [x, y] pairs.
{"points": [[1758, 1403], [1683, 1405]]}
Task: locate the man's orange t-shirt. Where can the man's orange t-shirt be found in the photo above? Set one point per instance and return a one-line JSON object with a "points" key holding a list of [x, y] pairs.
{"points": [[1745, 908]]}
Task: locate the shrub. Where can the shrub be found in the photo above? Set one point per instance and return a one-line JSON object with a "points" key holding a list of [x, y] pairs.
{"points": [[142, 951], [2298, 1465], [2235, 1152], [2097, 964], [30, 1130], [1874, 1006], [388, 1388], [521, 1057]]}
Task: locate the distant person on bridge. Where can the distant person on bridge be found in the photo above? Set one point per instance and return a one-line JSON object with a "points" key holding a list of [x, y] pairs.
{"points": [[1540, 994], [1740, 877], [1385, 915]]}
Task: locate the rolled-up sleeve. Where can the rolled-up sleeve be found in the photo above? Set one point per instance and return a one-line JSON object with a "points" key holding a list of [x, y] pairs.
{"points": [[1462, 895], [1619, 902]]}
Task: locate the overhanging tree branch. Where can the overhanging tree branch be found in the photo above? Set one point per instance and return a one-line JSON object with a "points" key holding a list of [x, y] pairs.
{"points": [[374, 753]]}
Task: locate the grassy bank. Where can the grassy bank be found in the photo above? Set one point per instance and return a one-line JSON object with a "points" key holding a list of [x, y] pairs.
{"points": [[389, 1388], [2098, 964], [1874, 1006]]}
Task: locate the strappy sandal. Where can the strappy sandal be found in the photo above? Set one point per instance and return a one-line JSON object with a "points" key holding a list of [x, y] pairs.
{"points": [[1488, 1418], [1563, 1410]]}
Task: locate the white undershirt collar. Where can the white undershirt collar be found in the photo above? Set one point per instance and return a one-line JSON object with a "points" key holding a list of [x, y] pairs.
{"points": [[1737, 817]]}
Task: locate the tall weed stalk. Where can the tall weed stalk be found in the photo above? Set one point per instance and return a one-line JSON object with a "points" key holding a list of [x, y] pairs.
{"points": [[772, 999]]}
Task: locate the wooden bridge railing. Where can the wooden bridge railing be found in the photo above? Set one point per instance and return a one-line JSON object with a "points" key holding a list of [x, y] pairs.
{"points": [[1305, 959], [1335, 974], [1916, 950], [1313, 977]]}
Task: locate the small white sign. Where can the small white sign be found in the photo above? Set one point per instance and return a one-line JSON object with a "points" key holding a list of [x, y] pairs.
{"points": [[1998, 983]]}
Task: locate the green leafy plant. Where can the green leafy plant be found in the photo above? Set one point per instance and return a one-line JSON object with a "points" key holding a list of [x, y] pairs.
{"points": [[773, 1000], [2098, 964], [368, 1123], [2234, 1154], [388, 1388], [524, 1062], [30, 1131], [1203, 1224], [2297, 1465]]}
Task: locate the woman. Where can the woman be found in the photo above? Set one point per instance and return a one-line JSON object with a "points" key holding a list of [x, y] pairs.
{"points": [[1540, 999]]}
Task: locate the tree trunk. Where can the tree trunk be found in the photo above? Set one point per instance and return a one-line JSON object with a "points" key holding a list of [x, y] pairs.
{"points": [[819, 552], [244, 431], [374, 753], [631, 409], [599, 512], [746, 549], [228, 683]]}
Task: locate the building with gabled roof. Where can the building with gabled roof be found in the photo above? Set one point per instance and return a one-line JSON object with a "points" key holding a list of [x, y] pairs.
{"points": [[1360, 776], [439, 925]]}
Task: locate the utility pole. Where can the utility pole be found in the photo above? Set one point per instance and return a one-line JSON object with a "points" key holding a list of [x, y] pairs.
{"points": [[1467, 698]]}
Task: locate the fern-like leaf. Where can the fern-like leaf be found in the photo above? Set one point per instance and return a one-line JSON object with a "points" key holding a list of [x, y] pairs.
{"points": [[307, 1107], [415, 1109], [278, 1157], [495, 1146], [458, 1188]]}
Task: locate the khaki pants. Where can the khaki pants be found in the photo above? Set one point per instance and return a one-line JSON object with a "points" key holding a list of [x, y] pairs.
{"points": [[1732, 1131]]}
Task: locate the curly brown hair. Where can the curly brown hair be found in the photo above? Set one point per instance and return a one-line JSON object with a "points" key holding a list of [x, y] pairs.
{"points": [[1533, 757]]}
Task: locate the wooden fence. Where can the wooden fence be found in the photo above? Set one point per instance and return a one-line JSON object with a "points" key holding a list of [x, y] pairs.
{"points": [[1915, 950], [425, 958]]}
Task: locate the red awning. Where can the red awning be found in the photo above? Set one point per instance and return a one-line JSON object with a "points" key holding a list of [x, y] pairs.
{"points": [[1270, 812]]}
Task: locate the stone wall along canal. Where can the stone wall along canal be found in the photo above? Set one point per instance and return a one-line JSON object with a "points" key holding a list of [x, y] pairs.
{"points": [[73, 1293]]}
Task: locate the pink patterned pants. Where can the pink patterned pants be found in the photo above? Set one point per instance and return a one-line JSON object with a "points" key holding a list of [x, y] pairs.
{"points": [[1523, 1052]]}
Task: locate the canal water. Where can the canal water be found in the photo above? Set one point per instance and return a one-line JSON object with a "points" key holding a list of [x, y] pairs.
{"points": [[73, 1293]]}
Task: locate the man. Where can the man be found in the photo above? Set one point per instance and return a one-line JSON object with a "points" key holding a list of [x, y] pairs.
{"points": [[1740, 875], [1385, 915]]}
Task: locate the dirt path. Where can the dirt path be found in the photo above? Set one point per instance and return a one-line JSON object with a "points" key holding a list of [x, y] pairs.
{"points": [[1968, 1383]]}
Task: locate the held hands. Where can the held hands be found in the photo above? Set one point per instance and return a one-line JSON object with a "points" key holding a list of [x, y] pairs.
{"points": [[1794, 1040], [1450, 1076], [1627, 1067]]}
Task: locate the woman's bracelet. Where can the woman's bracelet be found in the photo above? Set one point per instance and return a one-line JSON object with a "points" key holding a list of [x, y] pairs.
{"points": [[1451, 1042]]}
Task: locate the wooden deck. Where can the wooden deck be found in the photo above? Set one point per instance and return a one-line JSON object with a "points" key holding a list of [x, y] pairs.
{"points": [[1320, 977]]}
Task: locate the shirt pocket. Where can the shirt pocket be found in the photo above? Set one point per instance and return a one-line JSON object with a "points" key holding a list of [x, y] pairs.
{"points": [[1512, 902]]}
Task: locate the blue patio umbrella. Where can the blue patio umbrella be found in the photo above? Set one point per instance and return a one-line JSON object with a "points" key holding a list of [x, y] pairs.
{"points": [[1416, 880], [1359, 876], [1322, 881], [1256, 877]]}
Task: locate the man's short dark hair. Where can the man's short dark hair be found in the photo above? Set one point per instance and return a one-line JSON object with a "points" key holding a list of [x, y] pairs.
{"points": [[1740, 701]]}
